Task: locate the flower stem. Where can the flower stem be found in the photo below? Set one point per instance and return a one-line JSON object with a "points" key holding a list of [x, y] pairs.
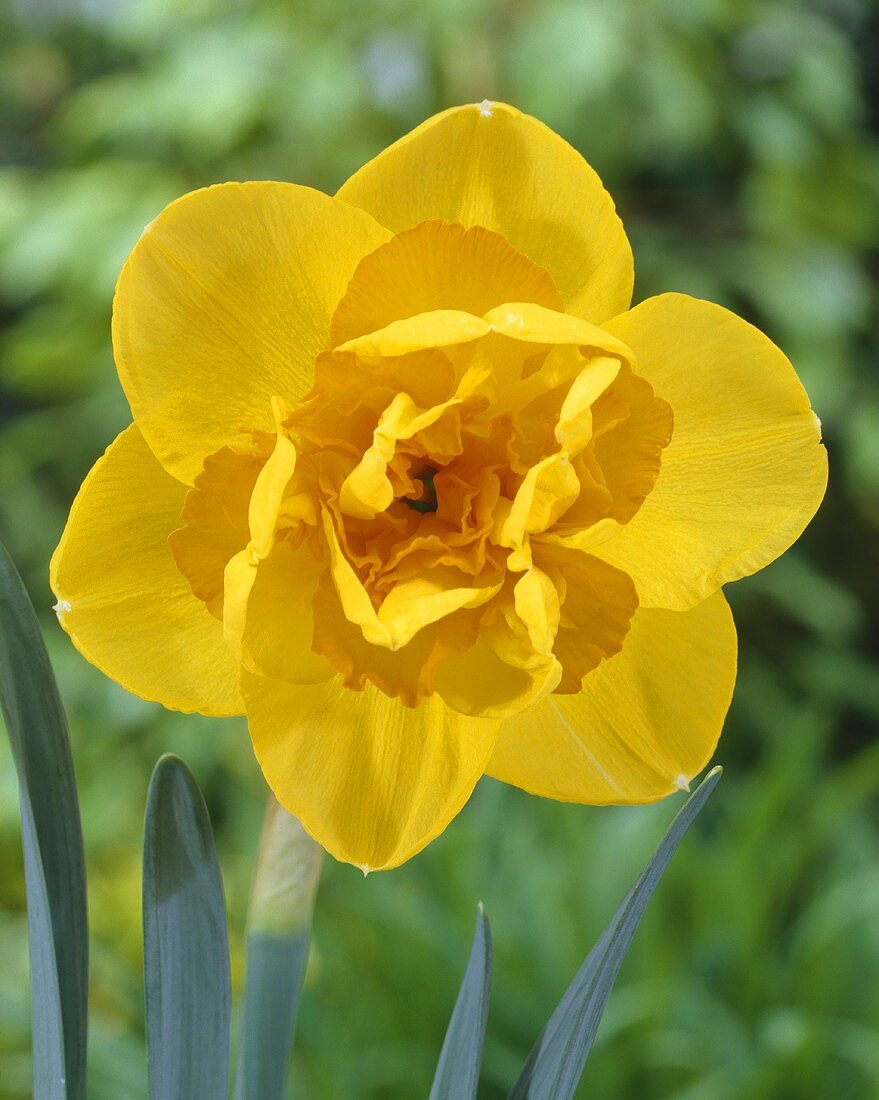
{"points": [[287, 874], [278, 933]]}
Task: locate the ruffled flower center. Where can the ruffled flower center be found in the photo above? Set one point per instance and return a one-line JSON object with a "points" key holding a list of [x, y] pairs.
{"points": [[423, 518]]}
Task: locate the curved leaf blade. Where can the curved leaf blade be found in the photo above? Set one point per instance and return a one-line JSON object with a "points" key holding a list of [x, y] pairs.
{"points": [[52, 842], [457, 1073], [186, 949], [555, 1065]]}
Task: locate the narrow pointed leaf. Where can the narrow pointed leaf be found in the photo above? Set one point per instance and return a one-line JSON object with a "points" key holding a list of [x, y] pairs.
{"points": [[457, 1073], [52, 843], [278, 937], [556, 1063], [186, 950]]}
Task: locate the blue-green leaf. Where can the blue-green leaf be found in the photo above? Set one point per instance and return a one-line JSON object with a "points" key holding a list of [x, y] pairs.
{"points": [[52, 841], [186, 950], [457, 1073], [278, 937], [556, 1063]]}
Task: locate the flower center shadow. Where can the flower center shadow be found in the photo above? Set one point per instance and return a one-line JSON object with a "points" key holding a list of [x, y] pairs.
{"points": [[427, 501]]}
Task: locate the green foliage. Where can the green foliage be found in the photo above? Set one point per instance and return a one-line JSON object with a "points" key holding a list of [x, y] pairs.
{"points": [[52, 842], [457, 1072], [185, 947], [556, 1062], [739, 142]]}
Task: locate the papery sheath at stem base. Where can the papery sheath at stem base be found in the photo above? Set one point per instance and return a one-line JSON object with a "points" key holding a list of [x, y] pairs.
{"points": [[287, 875]]}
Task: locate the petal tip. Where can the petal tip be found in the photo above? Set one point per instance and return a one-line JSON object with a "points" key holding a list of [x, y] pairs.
{"points": [[61, 608]]}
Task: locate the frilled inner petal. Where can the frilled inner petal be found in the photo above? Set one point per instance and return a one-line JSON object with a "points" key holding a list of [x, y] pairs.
{"points": [[408, 673], [214, 521], [596, 606], [438, 265], [489, 165], [421, 520]]}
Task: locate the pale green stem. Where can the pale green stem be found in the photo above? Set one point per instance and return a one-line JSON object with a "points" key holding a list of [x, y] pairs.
{"points": [[278, 931], [287, 874]]}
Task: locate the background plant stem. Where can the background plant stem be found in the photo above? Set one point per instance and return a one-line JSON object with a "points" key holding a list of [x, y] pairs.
{"points": [[278, 935]]}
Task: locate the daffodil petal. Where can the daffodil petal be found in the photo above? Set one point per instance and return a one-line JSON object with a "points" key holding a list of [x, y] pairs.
{"points": [[122, 599], [370, 779], [597, 605], [406, 673], [427, 375], [410, 606], [268, 616], [352, 595], [646, 722], [214, 521], [479, 682], [537, 605], [271, 485], [224, 302], [745, 470], [368, 489], [535, 324], [490, 165], [439, 328], [438, 265], [548, 490], [574, 428], [414, 604]]}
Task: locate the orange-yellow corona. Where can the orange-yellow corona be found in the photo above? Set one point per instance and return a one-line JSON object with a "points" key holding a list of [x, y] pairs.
{"points": [[411, 485]]}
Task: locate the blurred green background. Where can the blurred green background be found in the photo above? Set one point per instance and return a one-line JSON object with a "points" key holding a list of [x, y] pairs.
{"points": [[739, 140]]}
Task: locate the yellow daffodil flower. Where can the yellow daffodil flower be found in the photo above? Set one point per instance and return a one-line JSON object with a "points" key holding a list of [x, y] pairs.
{"points": [[412, 486]]}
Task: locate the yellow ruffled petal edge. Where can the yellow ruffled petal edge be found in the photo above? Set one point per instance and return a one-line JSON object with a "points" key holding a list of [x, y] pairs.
{"points": [[646, 722], [122, 599], [745, 470], [268, 618], [372, 780], [438, 265], [488, 164], [224, 303], [522, 321]]}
